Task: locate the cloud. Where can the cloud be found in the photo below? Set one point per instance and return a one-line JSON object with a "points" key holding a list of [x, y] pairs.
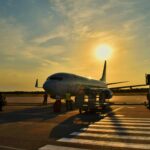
{"points": [[61, 32], [60, 35], [11, 35], [17, 53]]}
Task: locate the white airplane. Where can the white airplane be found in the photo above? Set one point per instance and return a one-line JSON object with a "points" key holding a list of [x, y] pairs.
{"points": [[61, 83], [57, 85]]}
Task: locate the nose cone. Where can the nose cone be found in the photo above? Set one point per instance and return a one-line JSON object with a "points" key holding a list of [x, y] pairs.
{"points": [[45, 86], [49, 87]]}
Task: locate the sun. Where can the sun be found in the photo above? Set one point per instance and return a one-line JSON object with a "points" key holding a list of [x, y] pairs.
{"points": [[103, 52]]}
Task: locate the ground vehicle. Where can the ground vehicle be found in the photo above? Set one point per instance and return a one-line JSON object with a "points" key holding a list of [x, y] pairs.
{"points": [[92, 102]]}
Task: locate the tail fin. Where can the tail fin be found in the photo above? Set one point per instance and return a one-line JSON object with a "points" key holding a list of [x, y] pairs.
{"points": [[36, 83], [103, 78]]}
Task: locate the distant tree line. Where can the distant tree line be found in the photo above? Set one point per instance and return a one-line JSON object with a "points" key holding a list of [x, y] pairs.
{"points": [[115, 91]]}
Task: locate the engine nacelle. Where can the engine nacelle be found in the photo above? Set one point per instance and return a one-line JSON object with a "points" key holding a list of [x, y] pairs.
{"points": [[107, 94]]}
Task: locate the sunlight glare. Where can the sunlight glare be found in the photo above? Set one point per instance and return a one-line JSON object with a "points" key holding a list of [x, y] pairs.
{"points": [[103, 52]]}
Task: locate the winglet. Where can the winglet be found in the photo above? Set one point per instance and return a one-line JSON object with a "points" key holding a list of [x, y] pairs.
{"points": [[103, 78]]}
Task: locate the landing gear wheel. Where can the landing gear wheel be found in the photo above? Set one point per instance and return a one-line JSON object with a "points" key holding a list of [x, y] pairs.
{"points": [[80, 110]]}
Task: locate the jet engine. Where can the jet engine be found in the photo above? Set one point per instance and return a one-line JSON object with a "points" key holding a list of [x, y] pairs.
{"points": [[107, 94]]}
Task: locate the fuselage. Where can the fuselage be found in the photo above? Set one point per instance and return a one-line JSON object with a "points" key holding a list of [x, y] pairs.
{"points": [[61, 83]]}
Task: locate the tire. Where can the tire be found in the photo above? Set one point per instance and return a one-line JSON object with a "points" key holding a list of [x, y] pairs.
{"points": [[80, 110]]}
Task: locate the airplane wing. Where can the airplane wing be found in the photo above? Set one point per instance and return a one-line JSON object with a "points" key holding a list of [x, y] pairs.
{"points": [[117, 82], [127, 86], [99, 88]]}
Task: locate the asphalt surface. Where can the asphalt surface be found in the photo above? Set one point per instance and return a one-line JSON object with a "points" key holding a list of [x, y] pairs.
{"points": [[30, 127]]}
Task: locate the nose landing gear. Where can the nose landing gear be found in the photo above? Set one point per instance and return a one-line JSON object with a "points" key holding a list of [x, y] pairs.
{"points": [[57, 105]]}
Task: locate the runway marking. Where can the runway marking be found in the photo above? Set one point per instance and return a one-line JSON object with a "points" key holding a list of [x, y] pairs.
{"points": [[116, 131], [106, 143], [122, 123], [130, 107], [110, 112], [120, 120], [54, 147], [118, 126], [114, 110], [8, 147], [119, 115], [111, 136]]}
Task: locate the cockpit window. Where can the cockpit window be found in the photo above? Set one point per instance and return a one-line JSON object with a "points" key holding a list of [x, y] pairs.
{"points": [[55, 78]]}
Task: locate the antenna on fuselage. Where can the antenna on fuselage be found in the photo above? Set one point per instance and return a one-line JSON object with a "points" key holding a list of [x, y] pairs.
{"points": [[103, 78]]}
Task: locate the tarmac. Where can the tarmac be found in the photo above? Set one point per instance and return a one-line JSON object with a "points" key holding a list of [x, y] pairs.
{"points": [[27, 125]]}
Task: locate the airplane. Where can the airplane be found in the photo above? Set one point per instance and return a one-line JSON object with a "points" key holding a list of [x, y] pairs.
{"points": [[58, 84]]}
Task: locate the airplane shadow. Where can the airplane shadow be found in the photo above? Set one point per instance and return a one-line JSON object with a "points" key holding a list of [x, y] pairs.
{"points": [[76, 122], [38, 113], [116, 122], [73, 124]]}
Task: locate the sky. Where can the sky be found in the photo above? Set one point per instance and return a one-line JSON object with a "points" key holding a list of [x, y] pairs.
{"points": [[42, 37]]}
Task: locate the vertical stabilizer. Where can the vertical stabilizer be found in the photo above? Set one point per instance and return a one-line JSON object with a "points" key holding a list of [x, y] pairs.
{"points": [[103, 78], [36, 83]]}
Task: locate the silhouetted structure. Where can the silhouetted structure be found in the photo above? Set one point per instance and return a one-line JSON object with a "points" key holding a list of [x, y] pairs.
{"points": [[2, 103]]}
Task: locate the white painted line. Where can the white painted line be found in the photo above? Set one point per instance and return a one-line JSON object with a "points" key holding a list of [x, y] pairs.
{"points": [[110, 112], [106, 143], [118, 127], [127, 118], [114, 110], [123, 123], [116, 131], [54, 147], [8, 147], [118, 115], [130, 107], [145, 138], [118, 120]]}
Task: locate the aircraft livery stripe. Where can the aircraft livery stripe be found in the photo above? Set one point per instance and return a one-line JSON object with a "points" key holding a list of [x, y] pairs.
{"points": [[116, 131], [106, 143], [111, 136], [118, 126]]}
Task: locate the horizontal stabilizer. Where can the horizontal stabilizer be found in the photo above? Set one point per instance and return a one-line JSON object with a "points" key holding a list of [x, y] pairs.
{"points": [[117, 82]]}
